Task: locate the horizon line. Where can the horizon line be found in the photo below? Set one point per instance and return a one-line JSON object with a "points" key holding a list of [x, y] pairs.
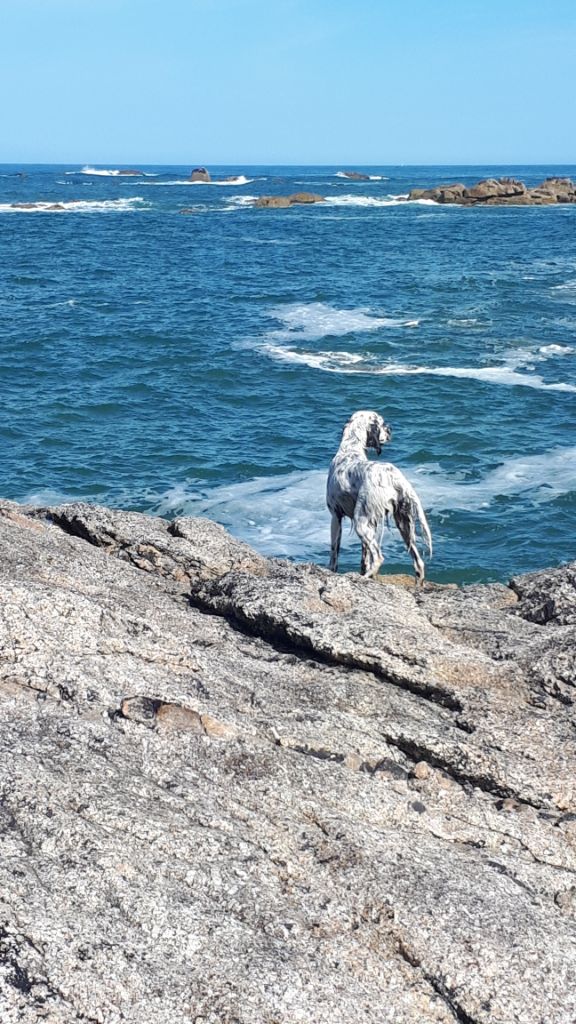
{"points": [[186, 163]]}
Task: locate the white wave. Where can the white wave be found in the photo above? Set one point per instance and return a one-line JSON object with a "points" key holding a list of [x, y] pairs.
{"points": [[331, 361], [390, 200], [341, 362], [555, 350], [286, 515], [311, 320], [241, 179], [240, 200], [100, 172], [371, 177], [351, 200], [567, 286], [251, 240], [47, 496], [542, 478], [78, 206], [465, 322]]}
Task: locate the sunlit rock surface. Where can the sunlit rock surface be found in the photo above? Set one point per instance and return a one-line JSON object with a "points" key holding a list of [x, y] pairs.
{"points": [[243, 791]]}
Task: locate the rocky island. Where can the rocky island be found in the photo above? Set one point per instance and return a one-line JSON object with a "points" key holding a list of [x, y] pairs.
{"points": [[237, 790], [501, 192]]}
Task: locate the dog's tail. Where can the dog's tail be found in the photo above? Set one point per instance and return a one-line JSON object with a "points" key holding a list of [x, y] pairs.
{"points": [[420, 515]]}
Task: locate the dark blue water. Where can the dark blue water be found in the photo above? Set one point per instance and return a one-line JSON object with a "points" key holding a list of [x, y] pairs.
{"points": [[207, 362]]}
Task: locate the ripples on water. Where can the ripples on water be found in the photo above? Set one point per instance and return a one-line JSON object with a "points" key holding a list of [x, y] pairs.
{"points": [[206, 363]]}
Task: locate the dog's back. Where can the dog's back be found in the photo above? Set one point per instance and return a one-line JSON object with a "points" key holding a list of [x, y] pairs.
{"points": [[345, 478]]}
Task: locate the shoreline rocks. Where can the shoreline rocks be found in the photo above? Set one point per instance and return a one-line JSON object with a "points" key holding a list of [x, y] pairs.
{"points": [[501, 192], [255, 791]]}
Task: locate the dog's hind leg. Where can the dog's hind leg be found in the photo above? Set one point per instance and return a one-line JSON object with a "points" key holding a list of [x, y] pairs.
{"points": [[335, 537], [372, 556], [404, 520]]}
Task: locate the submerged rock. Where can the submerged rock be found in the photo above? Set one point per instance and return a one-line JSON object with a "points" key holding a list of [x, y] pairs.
{"points": [[237, 789]]}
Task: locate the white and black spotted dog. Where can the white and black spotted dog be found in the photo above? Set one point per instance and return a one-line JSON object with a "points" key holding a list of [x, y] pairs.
{"points": [[368, 492]]}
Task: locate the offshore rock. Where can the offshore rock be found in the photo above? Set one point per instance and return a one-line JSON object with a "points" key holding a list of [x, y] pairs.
{"points": [[200, 174], [281, 202], [501, 192], [355, 175], [240, 790]]}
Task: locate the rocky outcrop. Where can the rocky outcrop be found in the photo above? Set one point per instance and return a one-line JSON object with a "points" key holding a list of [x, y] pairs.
{"points": [[281, 202], [200, 174], [235, 789], [501, 192], [355, 175]]}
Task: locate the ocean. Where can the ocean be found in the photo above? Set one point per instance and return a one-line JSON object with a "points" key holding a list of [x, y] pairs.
{"points": [[205, 364]]}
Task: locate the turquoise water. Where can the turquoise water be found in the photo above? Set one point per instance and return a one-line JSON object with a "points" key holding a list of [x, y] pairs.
{"points": [[206, 363]]}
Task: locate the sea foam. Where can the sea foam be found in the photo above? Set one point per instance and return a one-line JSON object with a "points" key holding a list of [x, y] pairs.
{"points": [[286, 515], [124, 205], [104, 172], [313, 321], [241, 179], [371, 177], [390, 200]]}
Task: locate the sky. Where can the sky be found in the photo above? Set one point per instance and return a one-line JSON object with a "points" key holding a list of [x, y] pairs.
{"points": [[240, 82]]}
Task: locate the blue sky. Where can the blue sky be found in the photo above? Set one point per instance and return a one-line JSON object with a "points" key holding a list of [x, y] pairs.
{"points": [[287, 81]]}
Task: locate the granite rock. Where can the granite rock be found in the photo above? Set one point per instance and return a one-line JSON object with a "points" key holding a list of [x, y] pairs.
{"points": [[240, 791], [501, 192]]}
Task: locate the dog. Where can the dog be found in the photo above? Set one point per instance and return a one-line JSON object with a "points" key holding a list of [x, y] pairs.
{"points": [[369, 492]]}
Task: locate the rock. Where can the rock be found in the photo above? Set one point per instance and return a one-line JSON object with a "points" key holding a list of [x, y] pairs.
{"points": [[492, 188], [237, 789], [277, 202], [200, 174], [501, 192], [547, 597], [306, 197], [130, 173], [281, 202], [184, 548], [355, 175]]}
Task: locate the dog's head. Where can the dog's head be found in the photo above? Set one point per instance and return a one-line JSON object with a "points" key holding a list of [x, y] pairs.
{"points": [[378, 433]]}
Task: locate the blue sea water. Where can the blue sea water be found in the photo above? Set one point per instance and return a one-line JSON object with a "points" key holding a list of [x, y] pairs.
{"points": [[206, 363]]}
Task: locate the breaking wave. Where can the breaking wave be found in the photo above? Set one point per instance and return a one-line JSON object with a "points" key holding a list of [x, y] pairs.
{"points": [[78, 206], [103, 172], [390, 200], [371, 177], [241, 179]]}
